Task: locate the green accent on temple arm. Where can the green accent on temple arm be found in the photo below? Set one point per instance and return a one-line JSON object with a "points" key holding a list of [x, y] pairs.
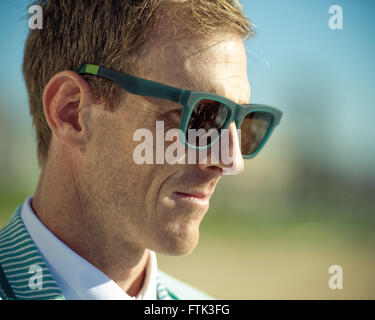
{"points": [[89, 68]]}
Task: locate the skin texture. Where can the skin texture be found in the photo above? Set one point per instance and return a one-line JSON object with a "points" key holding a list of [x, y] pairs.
{"points": [[93, 196]]}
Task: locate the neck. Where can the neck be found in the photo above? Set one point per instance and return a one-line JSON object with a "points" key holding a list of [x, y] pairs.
{"points": [[64, 210]]}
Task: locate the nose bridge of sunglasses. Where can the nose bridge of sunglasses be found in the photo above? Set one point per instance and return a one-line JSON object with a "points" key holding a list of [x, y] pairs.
{"points": [[239, 114], [236, 118]]}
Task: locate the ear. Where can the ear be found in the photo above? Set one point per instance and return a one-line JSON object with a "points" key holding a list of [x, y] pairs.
{"points": [[66, 101]]}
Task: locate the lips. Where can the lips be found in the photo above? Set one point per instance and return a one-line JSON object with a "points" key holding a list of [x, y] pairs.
{"points": [[194, 199], [201, 196]]}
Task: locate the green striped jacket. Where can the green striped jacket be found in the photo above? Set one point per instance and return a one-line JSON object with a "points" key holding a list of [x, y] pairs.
{"points": [[19, 255]]}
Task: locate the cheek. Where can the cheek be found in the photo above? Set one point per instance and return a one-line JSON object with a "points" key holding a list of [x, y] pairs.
{"points": [[110, 164], [109, 157]]}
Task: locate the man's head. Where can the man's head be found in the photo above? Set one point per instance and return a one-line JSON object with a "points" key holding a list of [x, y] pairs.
{"points": [[85, 125]]}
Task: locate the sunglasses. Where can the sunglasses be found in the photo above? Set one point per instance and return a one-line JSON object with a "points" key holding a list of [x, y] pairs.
{"points": [[202, 111]]}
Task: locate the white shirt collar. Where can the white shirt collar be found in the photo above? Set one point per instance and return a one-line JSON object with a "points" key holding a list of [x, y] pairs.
{"points": [[77, 278]]}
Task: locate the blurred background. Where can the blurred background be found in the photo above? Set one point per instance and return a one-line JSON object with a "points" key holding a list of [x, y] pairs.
{"points": [[306, 202]]}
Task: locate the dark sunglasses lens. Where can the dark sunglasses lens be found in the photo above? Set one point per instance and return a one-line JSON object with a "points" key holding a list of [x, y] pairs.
{"points": [[254, 129], [207, 114]]}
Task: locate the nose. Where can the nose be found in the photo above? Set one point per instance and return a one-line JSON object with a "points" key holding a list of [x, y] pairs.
{"points": [[225, 154]]}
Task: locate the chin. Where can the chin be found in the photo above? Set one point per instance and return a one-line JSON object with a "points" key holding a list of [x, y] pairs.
{"points": [[180, 240]]}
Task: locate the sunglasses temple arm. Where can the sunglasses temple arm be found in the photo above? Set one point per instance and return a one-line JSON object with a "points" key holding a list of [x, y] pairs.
{"points": [[136, 85]]}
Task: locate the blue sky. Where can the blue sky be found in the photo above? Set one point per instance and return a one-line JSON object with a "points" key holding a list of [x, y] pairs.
{"points": [[322, 79]]}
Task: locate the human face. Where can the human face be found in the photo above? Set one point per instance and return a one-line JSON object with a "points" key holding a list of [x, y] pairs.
{"points": [[160, 207]]}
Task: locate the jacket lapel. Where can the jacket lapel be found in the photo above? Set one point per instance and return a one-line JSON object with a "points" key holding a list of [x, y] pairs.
{"points": [[26, 273]]}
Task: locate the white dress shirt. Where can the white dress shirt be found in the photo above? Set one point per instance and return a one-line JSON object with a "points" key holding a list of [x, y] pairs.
{"points": [[77, 278]]}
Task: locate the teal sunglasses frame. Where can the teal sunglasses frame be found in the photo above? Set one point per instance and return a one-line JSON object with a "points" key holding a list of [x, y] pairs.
{"points": [[188, 100]]}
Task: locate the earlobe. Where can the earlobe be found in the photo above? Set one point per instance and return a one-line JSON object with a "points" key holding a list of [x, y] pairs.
{"points": [[65, 95]]}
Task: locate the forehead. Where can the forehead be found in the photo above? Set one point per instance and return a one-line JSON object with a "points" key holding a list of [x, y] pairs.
{"points": [[216, 64]]}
